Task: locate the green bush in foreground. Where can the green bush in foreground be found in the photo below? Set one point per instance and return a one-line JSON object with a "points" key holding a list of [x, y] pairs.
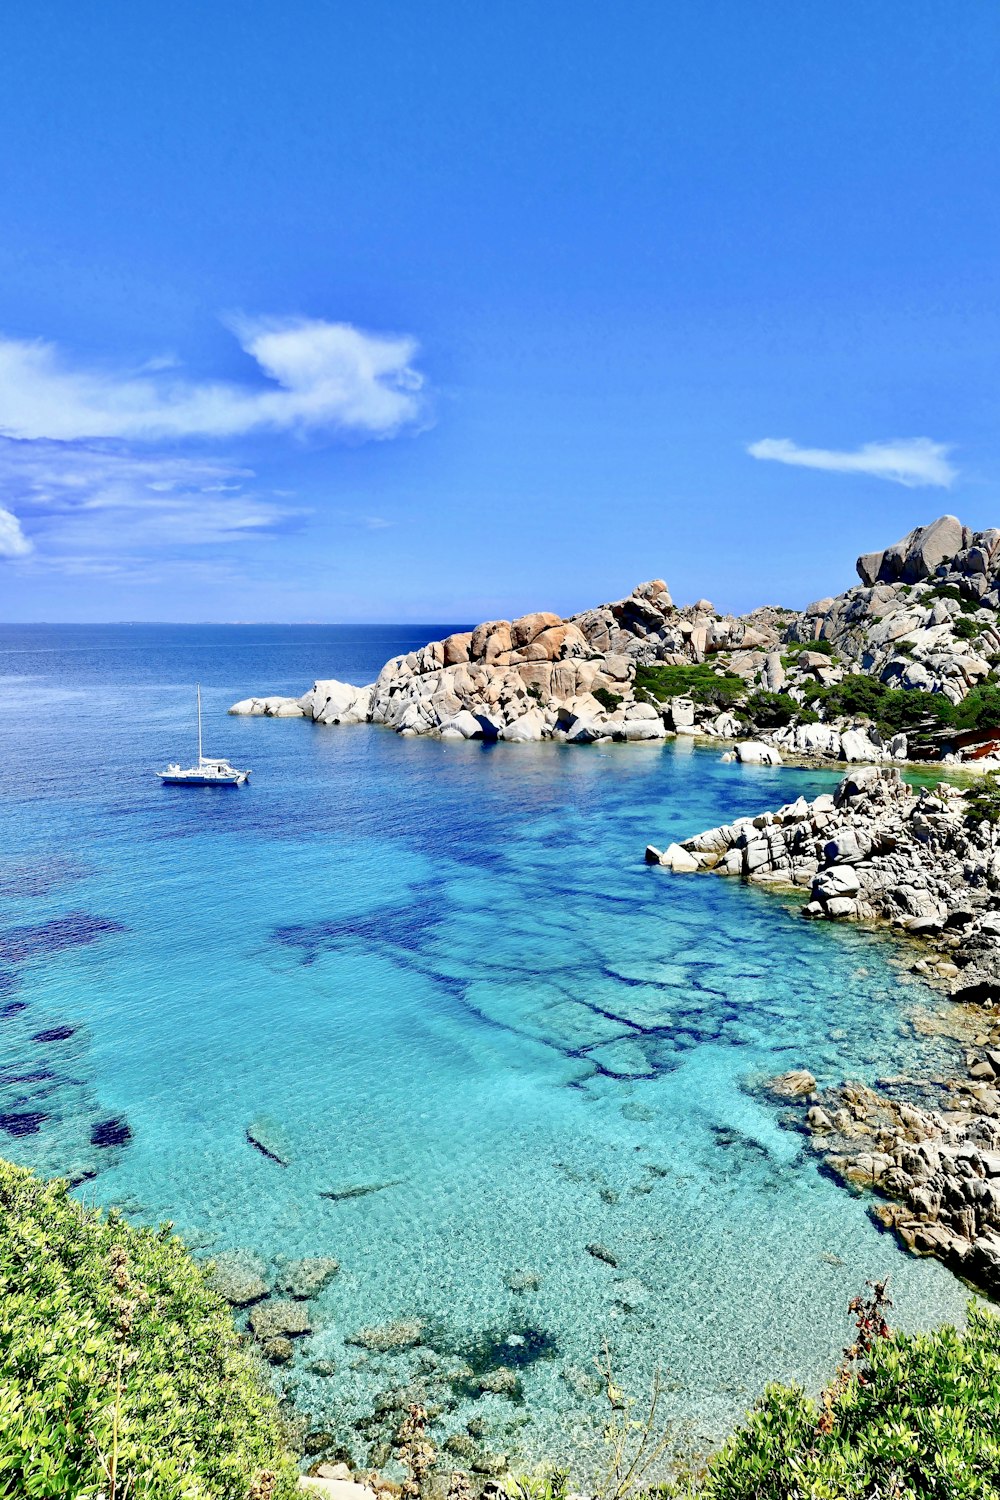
{"points": [[120, 1371], [918, 1420]]}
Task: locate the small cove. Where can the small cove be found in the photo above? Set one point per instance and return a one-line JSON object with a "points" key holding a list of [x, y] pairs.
{"points": [[445, 969]]}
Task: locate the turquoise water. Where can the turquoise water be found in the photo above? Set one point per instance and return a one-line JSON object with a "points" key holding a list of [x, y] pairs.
{"points": [[443, 967]]}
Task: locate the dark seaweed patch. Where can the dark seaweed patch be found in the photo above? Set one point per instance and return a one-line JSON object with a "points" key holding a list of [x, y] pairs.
{"points": [[23, 1122], [9, 1078], [12, 1008], [401, 928], [30, 879], [492, 1349], [113, 1132], [54, 1034], [74, 930]]}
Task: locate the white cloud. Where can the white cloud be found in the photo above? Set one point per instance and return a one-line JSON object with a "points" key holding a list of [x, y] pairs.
{"points": [[13, 542], [89, 501], [910, 461], [323, 376]]}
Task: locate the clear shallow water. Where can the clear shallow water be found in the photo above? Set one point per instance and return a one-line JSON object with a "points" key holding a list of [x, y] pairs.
{"points": [[445, 967]]}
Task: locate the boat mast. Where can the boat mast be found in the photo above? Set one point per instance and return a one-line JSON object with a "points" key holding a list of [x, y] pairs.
{"points": [[199, 724]]}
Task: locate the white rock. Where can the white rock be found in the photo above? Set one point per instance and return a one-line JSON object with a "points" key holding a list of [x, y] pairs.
{"points": [[529, 727], [335, 1489], [680, 712], [642, 729], [756, 753], [332, 702], [857, 745], [245, 706], [465, 724], [583, 732], [679, 860], [837, 880]]}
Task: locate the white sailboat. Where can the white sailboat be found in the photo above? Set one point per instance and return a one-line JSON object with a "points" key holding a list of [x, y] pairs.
{"points": [[210, 770]]}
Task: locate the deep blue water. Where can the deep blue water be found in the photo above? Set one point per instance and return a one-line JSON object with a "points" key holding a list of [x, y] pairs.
{"points": [[445, 967]]}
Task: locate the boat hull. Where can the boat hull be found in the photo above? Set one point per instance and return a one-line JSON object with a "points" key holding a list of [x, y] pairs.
{"points": [[237, 780]]}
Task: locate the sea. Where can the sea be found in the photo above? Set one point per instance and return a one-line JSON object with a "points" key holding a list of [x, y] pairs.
{"points": [[512, 1074]]}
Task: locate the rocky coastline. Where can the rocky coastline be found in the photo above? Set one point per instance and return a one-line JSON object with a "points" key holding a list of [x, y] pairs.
{"points": [[902, 667], [921, 629], [925, 863]]}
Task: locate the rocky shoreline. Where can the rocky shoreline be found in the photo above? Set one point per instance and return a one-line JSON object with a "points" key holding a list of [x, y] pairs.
{"points": [[879, 673], [925, 863]]}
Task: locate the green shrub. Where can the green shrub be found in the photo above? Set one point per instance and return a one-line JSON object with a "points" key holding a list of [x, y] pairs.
{"points": [[775, 710], [951, 591], [920, 1421], [979, 709], [966, 629], [795, 648], [608, 700], [120, 1371], [697, 680], [983, 801], [891, 709]]}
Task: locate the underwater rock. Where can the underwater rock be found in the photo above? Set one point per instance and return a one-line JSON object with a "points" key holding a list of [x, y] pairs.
{"points": [[386, 1337], [601, 1252], [502, 1382], [278, 1351], [75, 929], [359, 1190], [280, 1319], [238, 1276], [632, 1296], [491, 1464], [306, 1278], [462, 1445], [581, 1382], [317, 1441], [796, 1084], [54, 1034], [23, 1122], [523, 1281], [268, 1137], [112, 1132]]}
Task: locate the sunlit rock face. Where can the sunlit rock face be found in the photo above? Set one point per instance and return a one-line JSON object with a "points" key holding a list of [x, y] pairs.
{"points": [[924, 617]]}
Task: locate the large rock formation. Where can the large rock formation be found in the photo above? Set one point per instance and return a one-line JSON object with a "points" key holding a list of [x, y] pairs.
{"points": [[536, 677], [925, 616], [923, 861]]}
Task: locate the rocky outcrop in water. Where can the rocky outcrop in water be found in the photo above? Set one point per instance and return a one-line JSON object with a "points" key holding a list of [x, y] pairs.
{"points": [[927, 863], [924, 617], [939, 1168], [878, 850], [537, 677]]}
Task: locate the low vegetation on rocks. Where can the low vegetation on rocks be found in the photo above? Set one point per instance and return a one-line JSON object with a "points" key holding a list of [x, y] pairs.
{"points": [[913, 1416], [121, 1374]]}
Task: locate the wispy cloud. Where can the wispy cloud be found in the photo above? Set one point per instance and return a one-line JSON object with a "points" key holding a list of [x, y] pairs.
{"points": [[322, 377], [13, 542], [913, 462], [87, 503]]}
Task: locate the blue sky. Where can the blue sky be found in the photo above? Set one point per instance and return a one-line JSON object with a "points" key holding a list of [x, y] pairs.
{"points": [[433, 312]]}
